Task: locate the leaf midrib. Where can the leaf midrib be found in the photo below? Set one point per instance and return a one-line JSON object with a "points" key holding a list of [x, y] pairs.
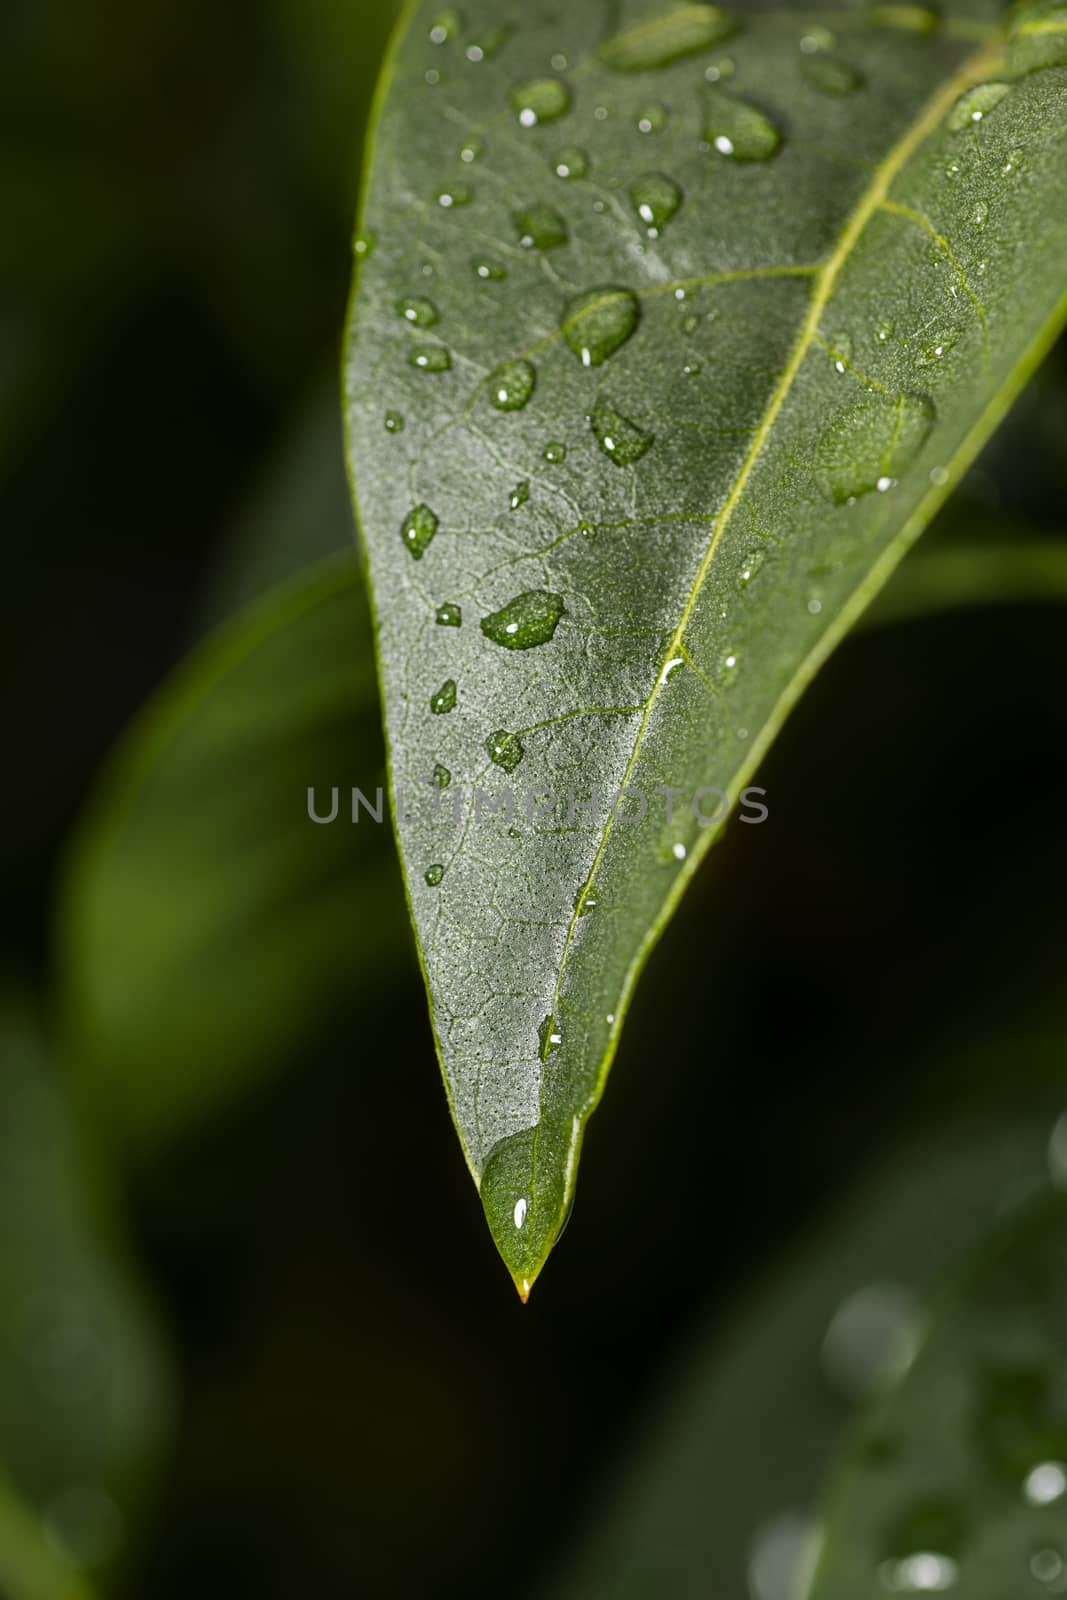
{"points": [[973, 70]]}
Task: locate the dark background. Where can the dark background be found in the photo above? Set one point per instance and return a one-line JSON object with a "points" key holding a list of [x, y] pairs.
{"points": [[365, 1407]]}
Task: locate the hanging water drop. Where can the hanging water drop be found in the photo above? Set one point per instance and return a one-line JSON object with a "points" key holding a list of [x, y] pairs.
{"points": [[418, 530], [511, 385], [618, 436], [530, 619], [597, 323]]}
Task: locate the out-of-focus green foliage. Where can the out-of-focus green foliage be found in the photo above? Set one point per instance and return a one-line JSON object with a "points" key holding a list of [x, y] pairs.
{"points": [[84, 1393], [211, 929]]}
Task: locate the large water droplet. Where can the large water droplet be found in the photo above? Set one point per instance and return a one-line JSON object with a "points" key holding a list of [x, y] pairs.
{"points": [[434, 875], [878, 438], [685, 30], [420, 313], [617, 436], [528, 620], [596, 323], [488, 270], [418, 530], [655, 198], [975, 104], [449, 615], [541, 101], [541, 228], [430, 358], [511, 385], [505, 749], [736, 129], [831, 74], [444, 700], [571, 163]]}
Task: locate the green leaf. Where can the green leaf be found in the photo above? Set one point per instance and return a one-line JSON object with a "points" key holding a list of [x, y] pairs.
{"points": [[749, 388], [210, 928], [958, 1481], [84, 1389], [728, 1461]]}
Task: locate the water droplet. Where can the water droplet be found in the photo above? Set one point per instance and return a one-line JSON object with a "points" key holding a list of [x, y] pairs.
{"points": [[505, 749], [597, 323], [738, 130], [511, 385], [1046, 1484], [980, 214], [471, 150], [491, 270], [679, 851], [750, 568], [446, 26], [685, 30], [363, 244], [617, 436], [519, 495], [692, 369], [444, 700], [434, 874], [418, 530], [814, 606], [884, 331], [528, 620], [924, 1571], [541, 228], [487, 46], [555, 451], [430, 358], [518, 1216], [558, 62], [878, 438], [394, 422], [420, 313], [432, 76], [441, 776], [655, 198], [872, 1339], [550, 1036], [585, 900], [831, 74], [653, 119], [457, 194], [729, 662], [571, 163], [449, 615], [544, 100], [974, 105], [1047, 1567]]}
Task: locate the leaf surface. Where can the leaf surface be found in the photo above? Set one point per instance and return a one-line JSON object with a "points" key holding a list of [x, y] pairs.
{"points": [[672, 330]]}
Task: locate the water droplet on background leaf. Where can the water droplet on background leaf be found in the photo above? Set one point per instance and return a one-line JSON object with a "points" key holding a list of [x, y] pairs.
{"points": [[490, 271], [420, 313], [618, 436], [571, 163], [685, 30], [511, 385], [555, 451], [831, 74], [394, 422], [738, 130], [878, 438], [541, 228], [597, 323], [544, 100], [655, 198], [449, 615]]}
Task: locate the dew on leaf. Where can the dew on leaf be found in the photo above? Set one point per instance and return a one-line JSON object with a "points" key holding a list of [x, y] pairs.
{"points": [[980, 214], [555, 451], [486, 46], [420, 313], [653, 119], [471, 150], [618, 436], [511, 385], [585, 901], [831, 74], [430, 358], [418, 530], [394, 422], [449, 615], [738, 130], [434, 875], [445, 26], [878, 438], [692, 369], [691, 324], [505, 749], [544, 100], [750, 568], [685, 30], [441, 776], [549, 1035], [655, 198], [1047, 1567], [457, 194], [444, 700], [540, 228], [528, 620], [571, 163], [363, 244], [488, 270], [597, 323], [519, 495], [974, 105]]}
